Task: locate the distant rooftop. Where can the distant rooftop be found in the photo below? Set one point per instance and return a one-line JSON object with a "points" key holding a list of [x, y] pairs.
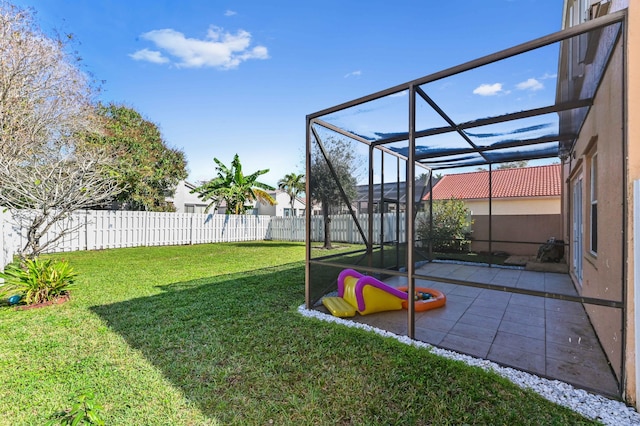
{"points": [[539, 181], [392, 191]]}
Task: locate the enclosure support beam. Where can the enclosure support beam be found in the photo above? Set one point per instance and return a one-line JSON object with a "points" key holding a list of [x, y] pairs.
{"points": [[398, 213], [307, 214], [381, 208], [490, 217], [431, 216], [370, 210], [409, 216]]}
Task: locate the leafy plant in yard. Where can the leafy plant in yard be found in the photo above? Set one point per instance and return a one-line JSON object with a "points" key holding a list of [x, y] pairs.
{"points": [[451, 226], [234, 188], [38, 280], [84, 411]]}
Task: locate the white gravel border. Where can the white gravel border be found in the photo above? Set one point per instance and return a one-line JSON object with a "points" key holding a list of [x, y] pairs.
{"points": [[596, 407]]}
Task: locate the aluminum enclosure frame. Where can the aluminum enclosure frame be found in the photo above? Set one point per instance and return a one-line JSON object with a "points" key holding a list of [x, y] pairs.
{"points": [[565, 140]]}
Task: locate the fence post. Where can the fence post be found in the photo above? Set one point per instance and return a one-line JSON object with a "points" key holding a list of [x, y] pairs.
{"points": [[3, 248]]}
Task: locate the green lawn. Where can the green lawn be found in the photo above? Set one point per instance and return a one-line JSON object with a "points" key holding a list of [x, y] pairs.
{"points": [[209, 334]]}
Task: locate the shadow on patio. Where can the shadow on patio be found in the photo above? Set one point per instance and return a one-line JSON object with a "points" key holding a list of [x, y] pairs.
{"points": [[548, 337]]}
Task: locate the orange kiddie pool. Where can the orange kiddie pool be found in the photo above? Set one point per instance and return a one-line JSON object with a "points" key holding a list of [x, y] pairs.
{"points": [[425, 299]]}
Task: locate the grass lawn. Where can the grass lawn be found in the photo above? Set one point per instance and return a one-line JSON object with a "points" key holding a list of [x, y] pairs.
{"points": [[209, 334]]}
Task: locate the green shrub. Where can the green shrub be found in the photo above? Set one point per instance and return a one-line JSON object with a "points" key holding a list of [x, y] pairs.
{"points": [[451, 226], [37, 280], [84, 411]]}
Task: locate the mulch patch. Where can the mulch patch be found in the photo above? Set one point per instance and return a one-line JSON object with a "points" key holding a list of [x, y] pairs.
{"points": [[57, 301]]}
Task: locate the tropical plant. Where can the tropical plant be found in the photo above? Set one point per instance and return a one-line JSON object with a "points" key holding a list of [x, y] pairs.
{"points": [[451, 226], [37, 280], [85, 411], [293, 184], [234, 188]]}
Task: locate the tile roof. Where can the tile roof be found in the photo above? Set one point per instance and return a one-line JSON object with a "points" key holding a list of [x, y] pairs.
{"points": [[539, 181]]}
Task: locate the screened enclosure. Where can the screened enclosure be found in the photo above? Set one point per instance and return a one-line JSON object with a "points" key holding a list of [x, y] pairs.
{"points": [[372, 164]]}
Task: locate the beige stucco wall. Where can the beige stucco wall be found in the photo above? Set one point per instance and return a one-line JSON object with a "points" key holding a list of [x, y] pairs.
{"points": [[532, 228], [633, 173], [603, 273], [515, 206]]}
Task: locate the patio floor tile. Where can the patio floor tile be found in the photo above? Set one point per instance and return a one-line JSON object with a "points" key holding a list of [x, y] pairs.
{"points": [[487, 311], [519, 342], [525, 330], [517, 358], [549, 337], [475, 332], [466, 345]]}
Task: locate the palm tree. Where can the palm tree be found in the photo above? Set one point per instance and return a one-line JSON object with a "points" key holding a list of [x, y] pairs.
{"points": [[293, 185], [233, 187]]}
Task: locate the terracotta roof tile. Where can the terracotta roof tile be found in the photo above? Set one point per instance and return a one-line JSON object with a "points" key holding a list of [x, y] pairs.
{"points": [[539, 181]]}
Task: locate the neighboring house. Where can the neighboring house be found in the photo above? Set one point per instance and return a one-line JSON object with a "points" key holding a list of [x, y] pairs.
{"points": [[184, 201], [601, 174], [524, 207], [392, 194], [316, 208], [282, 207]]}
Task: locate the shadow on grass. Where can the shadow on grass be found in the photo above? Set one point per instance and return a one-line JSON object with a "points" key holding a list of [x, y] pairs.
{"points": [[236, 349], [205, 335]]}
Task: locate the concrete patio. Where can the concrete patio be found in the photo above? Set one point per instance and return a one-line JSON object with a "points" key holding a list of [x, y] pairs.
{"points": [[548, 337]]}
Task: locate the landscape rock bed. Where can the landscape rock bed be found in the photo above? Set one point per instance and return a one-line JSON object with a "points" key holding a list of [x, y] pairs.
{"points": [[596, 407]]}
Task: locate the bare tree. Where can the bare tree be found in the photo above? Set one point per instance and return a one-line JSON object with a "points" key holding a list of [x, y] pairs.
{"points": [[46, 170]]}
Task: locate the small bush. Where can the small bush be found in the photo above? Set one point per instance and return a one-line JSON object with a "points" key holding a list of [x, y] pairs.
{"points": [[85, 411], [451, 226], [37, 280]]}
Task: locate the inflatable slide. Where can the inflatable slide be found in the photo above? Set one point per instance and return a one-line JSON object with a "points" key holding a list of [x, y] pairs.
{"points": [[367, 295]]}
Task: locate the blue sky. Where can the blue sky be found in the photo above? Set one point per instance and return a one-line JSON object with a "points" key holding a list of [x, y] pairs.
{"points": [[226, 77]]}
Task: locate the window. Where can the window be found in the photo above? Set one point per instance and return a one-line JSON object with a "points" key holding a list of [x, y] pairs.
{"points": [[576, 247], [194, 208], [593, 213], [578, 13]]}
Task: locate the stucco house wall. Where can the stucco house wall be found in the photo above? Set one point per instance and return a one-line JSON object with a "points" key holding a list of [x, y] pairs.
{"points": [[633, 174], [525, 232], [531, 221], [601, 271], [184, 201], [283, 206], [515, 206]]}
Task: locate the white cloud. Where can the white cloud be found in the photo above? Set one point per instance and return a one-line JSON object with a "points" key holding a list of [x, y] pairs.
{"points": [[399, 94], [353, 74], [219, 49], [149, 56], [547, 76], [531, 84], [230, 13], [488, 89]]}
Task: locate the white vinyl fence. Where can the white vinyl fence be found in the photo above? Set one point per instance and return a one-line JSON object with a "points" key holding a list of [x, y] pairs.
{"points": [[343, 228], [101, 229]]}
